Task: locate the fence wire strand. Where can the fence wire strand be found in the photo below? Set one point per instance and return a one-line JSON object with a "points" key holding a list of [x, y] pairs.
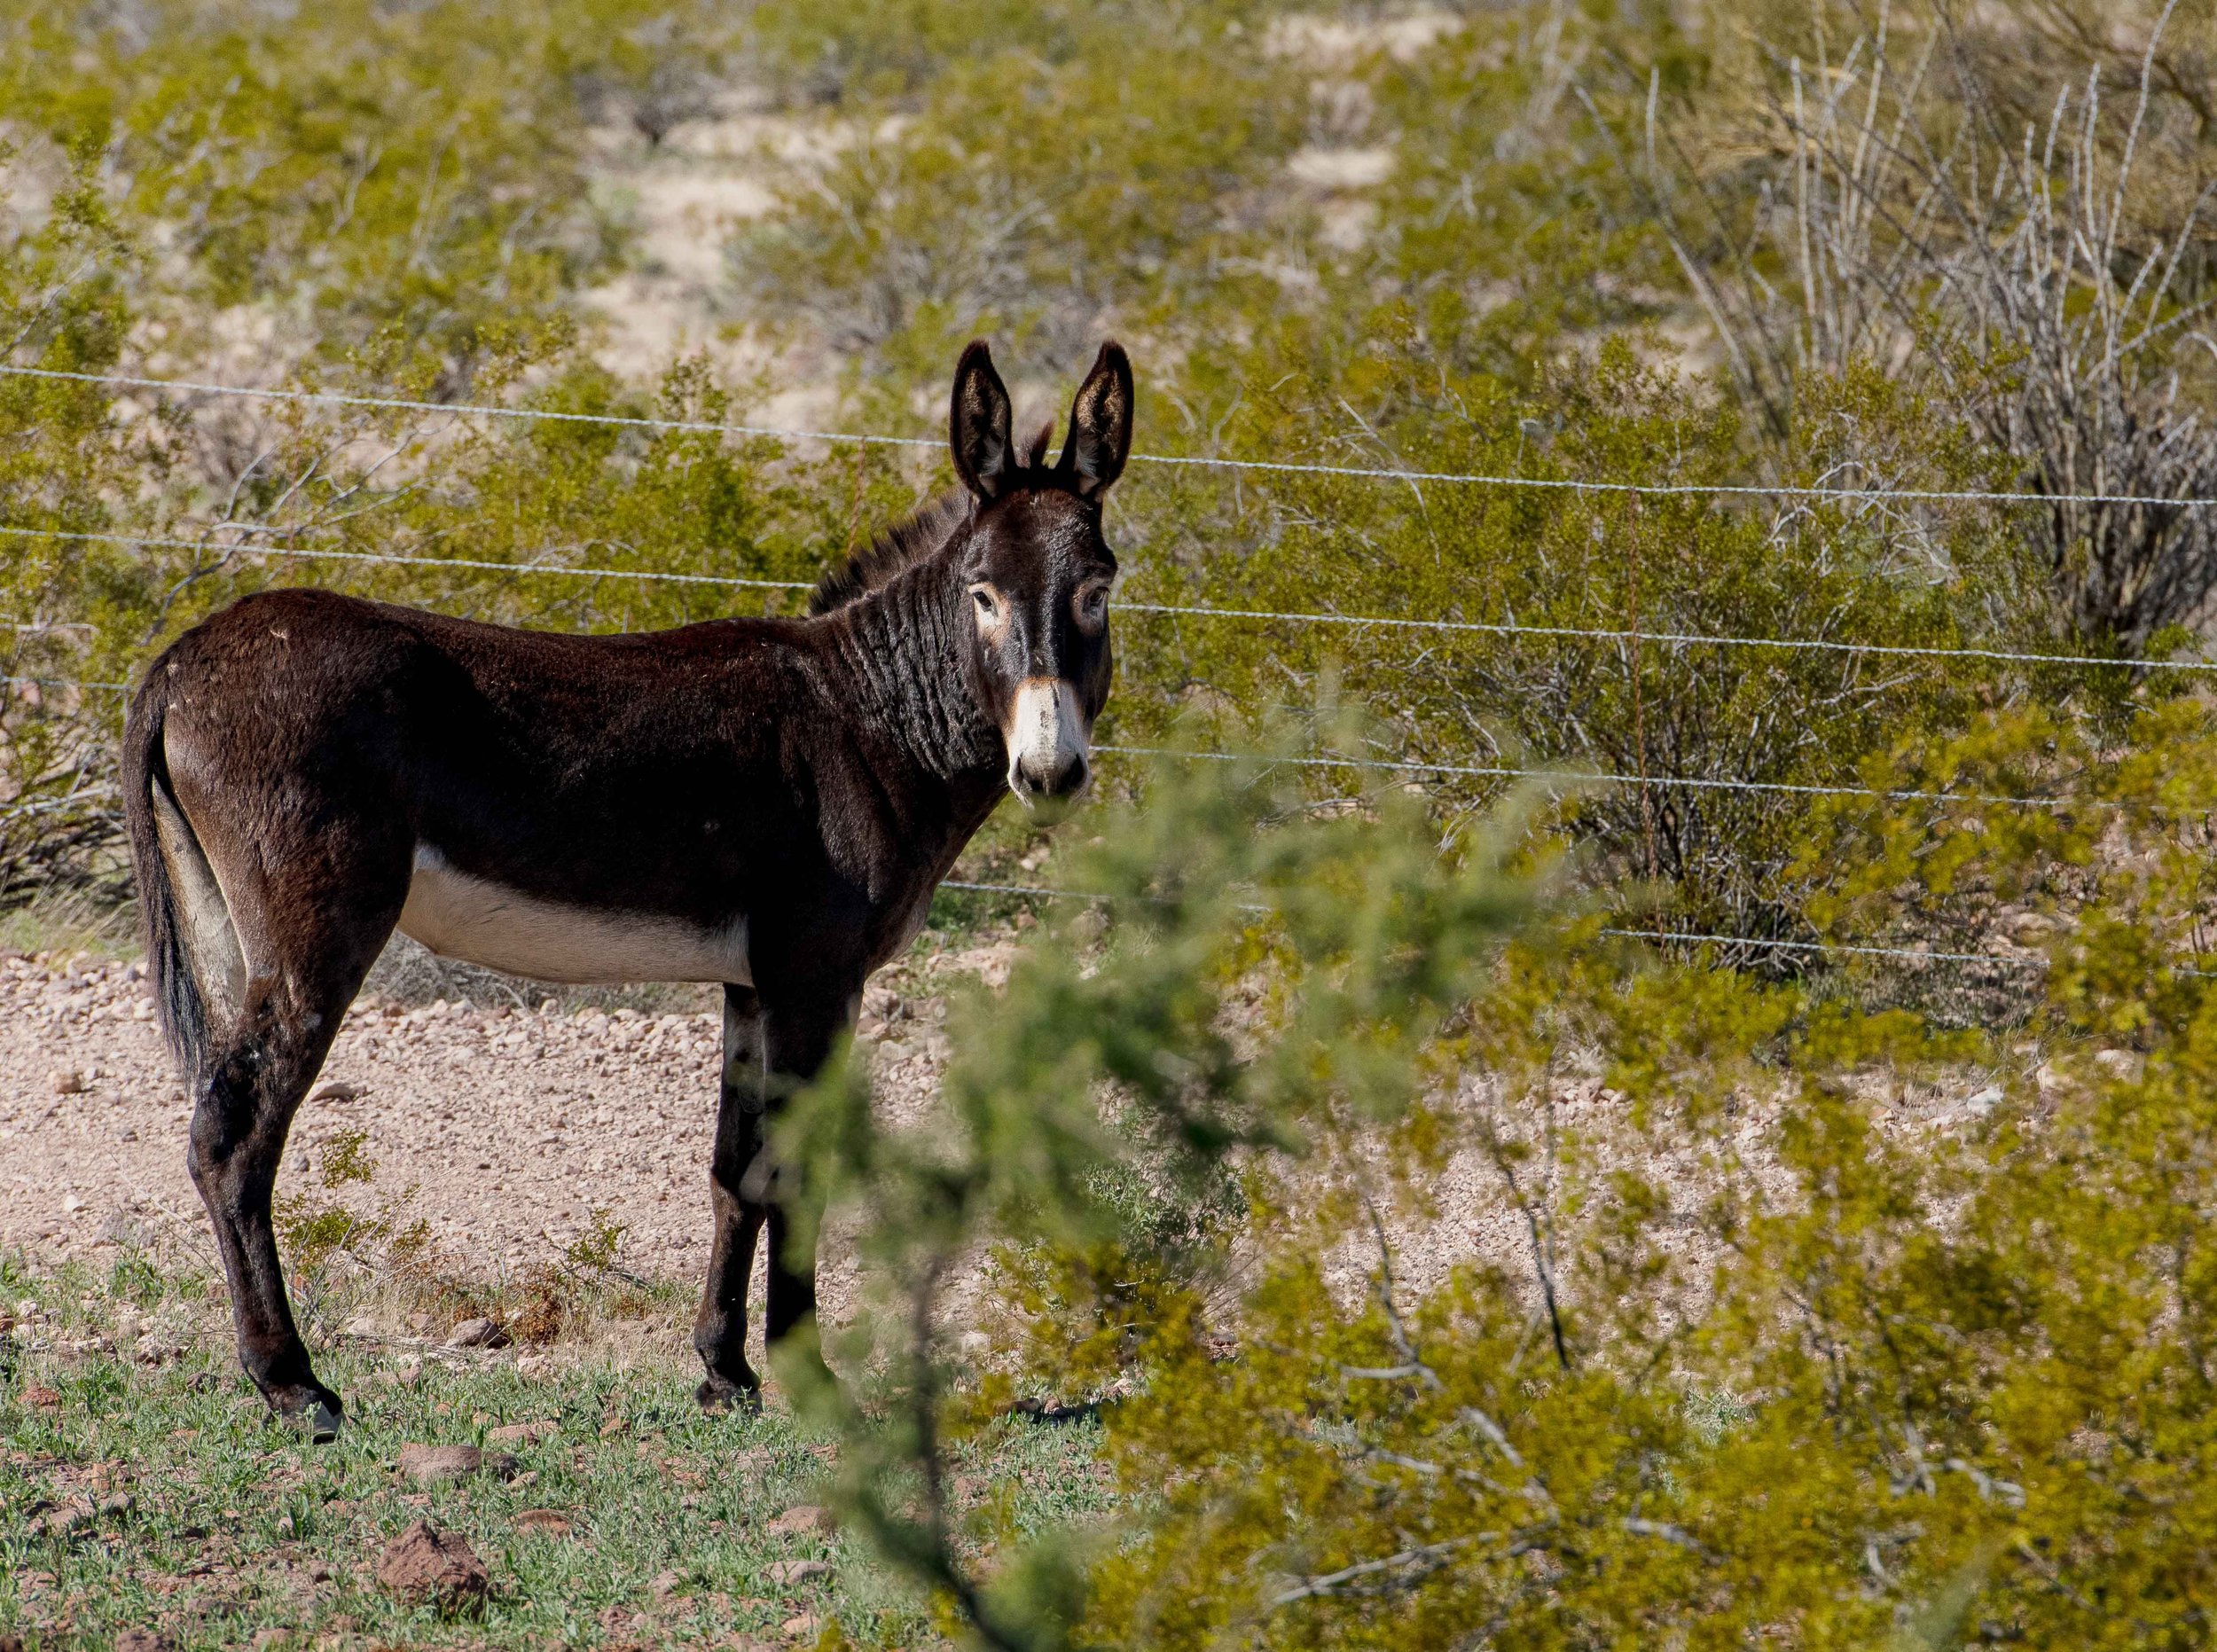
{"points": [[1684, 489], [1504, 628]]}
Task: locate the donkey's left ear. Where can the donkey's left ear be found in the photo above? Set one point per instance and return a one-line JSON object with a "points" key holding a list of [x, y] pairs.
{"points": [[1100, 423]]}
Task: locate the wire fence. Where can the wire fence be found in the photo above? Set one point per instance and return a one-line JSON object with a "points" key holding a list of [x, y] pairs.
{"points": [[1496, 628], [1686, 490], [1670, 936], [1563, 778], [216, 539]]}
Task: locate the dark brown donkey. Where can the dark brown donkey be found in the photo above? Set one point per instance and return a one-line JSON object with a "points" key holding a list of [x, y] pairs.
{"points": [[766, 804]]}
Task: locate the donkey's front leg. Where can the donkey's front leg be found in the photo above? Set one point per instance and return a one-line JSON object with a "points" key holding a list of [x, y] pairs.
{"points": [[768, 1054], [719, 1332]]}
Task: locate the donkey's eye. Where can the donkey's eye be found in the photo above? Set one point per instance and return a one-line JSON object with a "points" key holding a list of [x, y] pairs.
{"points": [[1090, 605], [988, 602]]}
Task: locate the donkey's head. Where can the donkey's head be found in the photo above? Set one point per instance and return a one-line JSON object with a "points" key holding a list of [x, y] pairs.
{"points": [[1036, 567]]}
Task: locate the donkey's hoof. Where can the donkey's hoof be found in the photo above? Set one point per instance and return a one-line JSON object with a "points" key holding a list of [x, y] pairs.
{"points": [[720, 1393], [315, 1415]]}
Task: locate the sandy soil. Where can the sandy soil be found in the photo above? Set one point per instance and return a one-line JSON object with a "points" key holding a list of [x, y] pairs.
{"points": [[508, 1127], [511, 1125]]}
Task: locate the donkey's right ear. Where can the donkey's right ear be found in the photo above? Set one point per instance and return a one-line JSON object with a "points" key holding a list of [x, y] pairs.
{"points": [[977, 424]]}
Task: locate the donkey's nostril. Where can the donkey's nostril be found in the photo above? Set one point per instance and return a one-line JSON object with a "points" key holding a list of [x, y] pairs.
{"points": [[1048, 774]]}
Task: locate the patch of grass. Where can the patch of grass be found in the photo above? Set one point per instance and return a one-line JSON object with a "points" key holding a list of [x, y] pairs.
{"points": [[233, 1525], [67, 922]]}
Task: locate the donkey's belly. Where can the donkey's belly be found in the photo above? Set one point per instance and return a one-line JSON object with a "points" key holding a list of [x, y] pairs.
{"points": [[459, 916]]}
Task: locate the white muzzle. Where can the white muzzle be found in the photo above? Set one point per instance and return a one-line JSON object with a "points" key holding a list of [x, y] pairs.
{"points": [[1047, 739]]}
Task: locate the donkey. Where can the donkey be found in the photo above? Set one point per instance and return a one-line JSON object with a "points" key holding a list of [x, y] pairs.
{"points": [[765, 803]]}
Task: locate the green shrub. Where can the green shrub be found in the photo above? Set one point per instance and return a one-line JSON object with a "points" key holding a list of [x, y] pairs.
{"points": [[1945, 1378]]}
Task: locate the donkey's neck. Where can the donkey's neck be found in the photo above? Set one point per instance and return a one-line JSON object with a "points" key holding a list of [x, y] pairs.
{"points": [[904, 648]]}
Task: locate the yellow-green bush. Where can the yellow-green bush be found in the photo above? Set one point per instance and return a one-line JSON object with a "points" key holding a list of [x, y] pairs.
{"points": [[1946, 1378]]}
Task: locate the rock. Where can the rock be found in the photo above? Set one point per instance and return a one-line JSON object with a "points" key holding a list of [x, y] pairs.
{"points": [[269, 1640], [477, 1334], [426, 1566], [116, 1505], [547, 1521], [2127, 1065], [801, 1627], [334, 1089], [805, 1520], [141, 1641], [666, 1583], [524, 1433], [74, 1515], [38, 1397], [443, 1465], [785, 1573], [62, 1082]]}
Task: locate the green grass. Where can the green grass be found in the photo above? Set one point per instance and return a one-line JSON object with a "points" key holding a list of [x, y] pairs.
{"points": [[235, 1526]]}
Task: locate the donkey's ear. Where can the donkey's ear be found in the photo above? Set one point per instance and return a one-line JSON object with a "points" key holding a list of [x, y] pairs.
{"points": [[1100, 423], [978, 423]]}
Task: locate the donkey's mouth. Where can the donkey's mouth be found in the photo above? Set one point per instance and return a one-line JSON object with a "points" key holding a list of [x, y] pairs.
{"points": [[1049, 757]]}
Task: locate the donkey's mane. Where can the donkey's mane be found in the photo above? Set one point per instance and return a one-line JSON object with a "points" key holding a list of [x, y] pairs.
{"points": [[903, 545]]}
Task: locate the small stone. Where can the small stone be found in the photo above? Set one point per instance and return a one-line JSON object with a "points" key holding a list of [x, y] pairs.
{"points": [[805, 1520], [287, 1527], [74, 1515], [63, 1082], [443, 1465], [141, 1641], [269, 1640], [333, 1090], [38, 1397], [666, 1583], [547, 1521], [786, 1574], [524, 1433], [424, 1565], [477, 1334], [116, 1504], [801, 1626]]}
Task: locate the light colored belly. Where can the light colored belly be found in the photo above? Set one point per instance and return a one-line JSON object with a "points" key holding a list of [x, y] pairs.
{"points": [[459, 916]]}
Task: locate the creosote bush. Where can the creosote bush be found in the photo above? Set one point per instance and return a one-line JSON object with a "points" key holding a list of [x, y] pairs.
{"points": [[1843, 1328]]}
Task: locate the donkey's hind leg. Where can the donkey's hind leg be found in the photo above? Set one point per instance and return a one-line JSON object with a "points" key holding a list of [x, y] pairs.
{"points": [[254, 1083], [307, 950]]}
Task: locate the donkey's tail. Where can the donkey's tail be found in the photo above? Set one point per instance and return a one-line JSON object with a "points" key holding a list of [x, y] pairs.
{"points": [[156, 824]]}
